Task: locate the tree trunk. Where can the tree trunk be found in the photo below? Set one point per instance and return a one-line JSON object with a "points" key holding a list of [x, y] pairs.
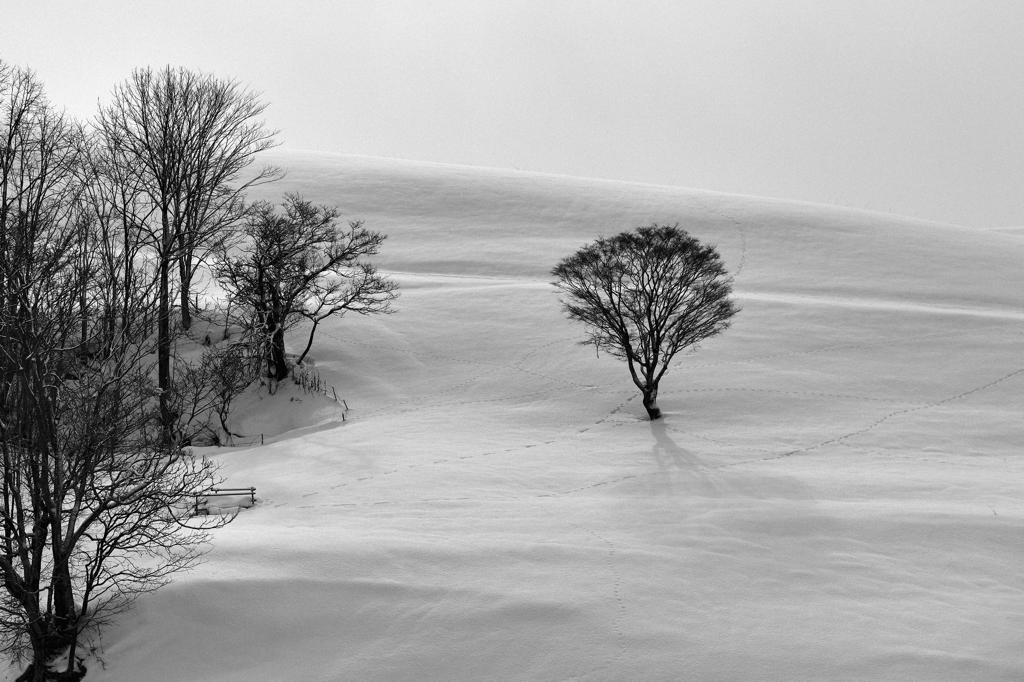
{"points": [[163, 352], [128, 312], [228, 436], [69, 671], [186, 308], [35, 626], [279, 362], [65, 615], [64, 625], [227, 321], [40, 654], [83, 310], [651, 402], [309, 343], [185, 277]]}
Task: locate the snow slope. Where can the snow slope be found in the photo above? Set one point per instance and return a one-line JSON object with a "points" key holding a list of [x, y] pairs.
{"points": [[836, 492]]}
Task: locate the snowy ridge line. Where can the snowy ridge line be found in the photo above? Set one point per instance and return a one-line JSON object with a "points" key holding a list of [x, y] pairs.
{"points": [[419, 354], [512, 497], [568, 184], [325, 424], [859, 345], [417, 404], [554, 384], [743, 248], [396, 407], [523, 357], [880, 304], [743, 240], [506, 279], [547, 377]]}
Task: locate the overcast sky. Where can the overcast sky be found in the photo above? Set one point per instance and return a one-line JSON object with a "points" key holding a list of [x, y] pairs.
{"points": [[905, 106]]}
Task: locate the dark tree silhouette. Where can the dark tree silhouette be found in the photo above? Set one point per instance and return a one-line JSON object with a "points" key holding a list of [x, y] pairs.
{"points": [[186, 138], [644, 296], [297, 264], [94, 505]]}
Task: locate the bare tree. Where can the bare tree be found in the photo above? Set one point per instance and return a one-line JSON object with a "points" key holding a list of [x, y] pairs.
{"points": [[120, 212], [302, 264], [208, 387], [187, 138], [229, 371], [87, 486], [38, 232], [644, 296]]}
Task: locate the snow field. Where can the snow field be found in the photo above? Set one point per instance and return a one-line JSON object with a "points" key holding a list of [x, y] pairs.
{"points": [[835, 492]]}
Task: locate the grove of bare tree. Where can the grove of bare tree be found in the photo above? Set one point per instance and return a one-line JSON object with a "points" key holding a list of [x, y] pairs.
{"points": [[183, 141]]}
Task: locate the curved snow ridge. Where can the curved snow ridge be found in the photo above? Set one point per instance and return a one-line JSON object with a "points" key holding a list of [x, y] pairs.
{"points": [[436, 614], [325, 425], [386, 171], [868, 303], [424, 279]]}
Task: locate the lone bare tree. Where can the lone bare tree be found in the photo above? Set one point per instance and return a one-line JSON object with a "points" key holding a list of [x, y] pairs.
{"points": [[297, 264], [186, 137], [644, 296]]}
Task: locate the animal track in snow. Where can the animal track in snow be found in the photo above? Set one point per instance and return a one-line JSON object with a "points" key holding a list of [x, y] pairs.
{"points": [[878, 422], [619, 605]]}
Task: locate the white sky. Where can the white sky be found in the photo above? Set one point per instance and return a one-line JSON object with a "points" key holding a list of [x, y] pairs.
{"points": [[907, 106]]}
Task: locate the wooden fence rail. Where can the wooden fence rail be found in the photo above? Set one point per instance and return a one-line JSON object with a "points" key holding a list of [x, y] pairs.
{"points": [[202, 505]]}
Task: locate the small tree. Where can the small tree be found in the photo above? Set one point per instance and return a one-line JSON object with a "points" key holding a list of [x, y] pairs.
{"points": [[229, 372], [208, 387], [301, 264], [644, 296]]}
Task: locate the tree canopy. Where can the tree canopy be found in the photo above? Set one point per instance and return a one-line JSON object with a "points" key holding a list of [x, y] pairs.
{"points": [[644, 295], [299, 263]]}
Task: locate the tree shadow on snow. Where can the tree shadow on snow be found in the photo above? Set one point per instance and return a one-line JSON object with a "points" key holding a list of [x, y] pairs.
{"points": [[679, 469]]}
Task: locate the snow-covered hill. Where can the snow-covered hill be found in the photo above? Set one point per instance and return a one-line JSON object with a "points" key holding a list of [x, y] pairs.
{"points": [[836, 492]]}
